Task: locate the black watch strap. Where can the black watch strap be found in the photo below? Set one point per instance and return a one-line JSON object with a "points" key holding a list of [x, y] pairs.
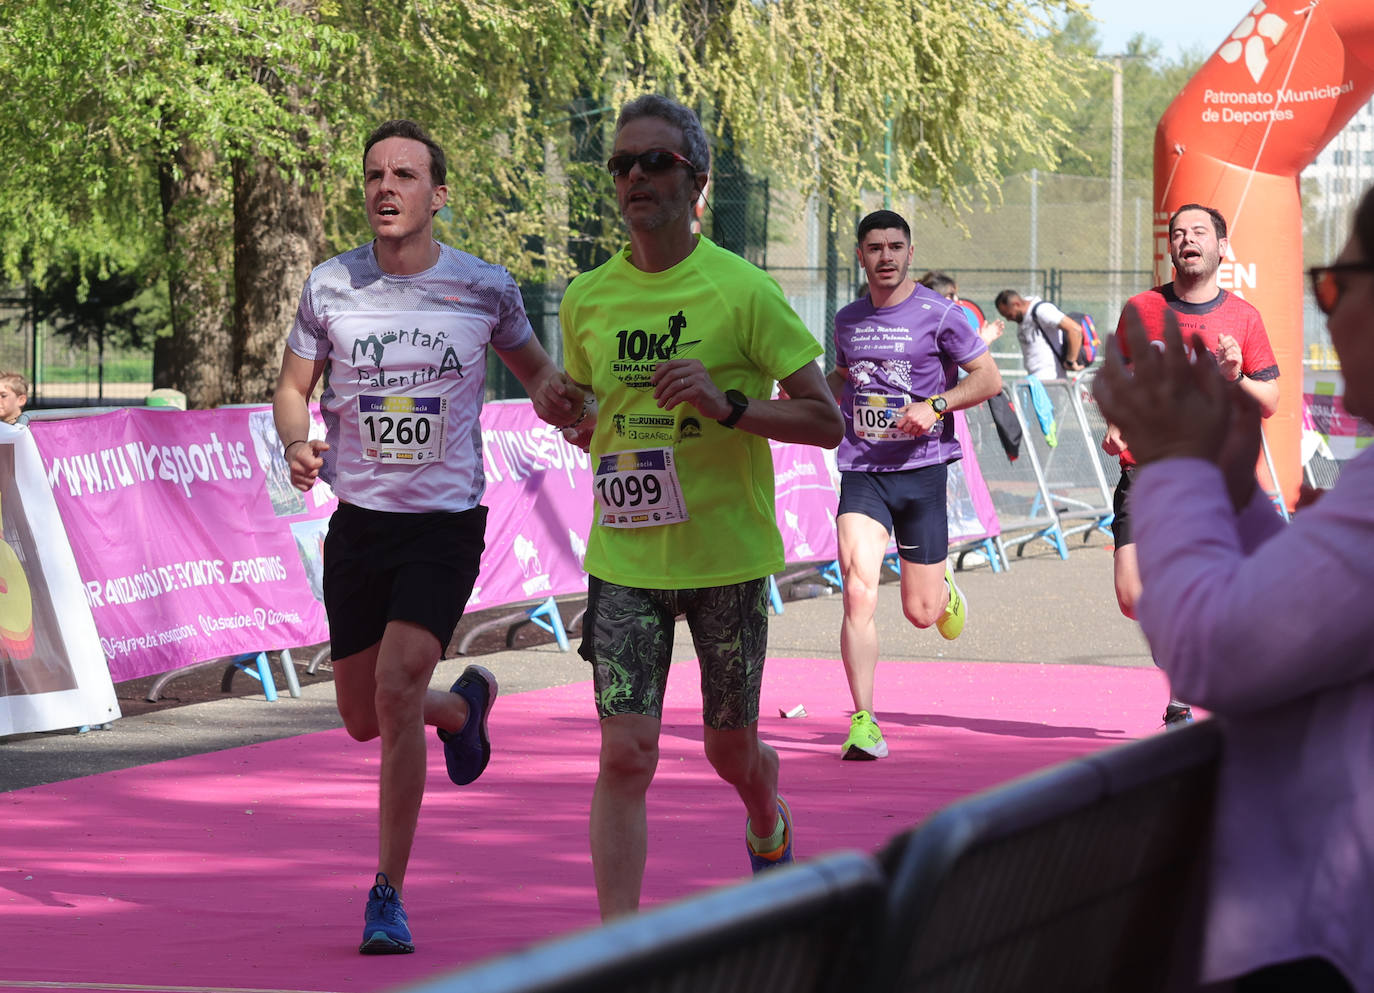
{"points": [[739, 403]]}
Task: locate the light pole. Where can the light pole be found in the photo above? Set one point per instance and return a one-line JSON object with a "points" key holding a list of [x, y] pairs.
{"points": [[1114, 228]]}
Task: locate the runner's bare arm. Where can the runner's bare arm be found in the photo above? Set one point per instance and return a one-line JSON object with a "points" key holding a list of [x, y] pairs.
{"points": [[803, 413], [983, 381], [808, 415], [835, 379], [1073, 339], [1265, 392], [291, 414], [556, 398]]}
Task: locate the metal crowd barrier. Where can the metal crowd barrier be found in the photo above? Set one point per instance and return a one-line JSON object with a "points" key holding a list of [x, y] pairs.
{"points": [[1024, 508], [1088, 877], [1073, 467], [801, 929]]}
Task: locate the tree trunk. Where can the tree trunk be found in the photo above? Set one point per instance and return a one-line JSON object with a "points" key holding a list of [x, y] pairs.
{"points": [[278, 237], [196, 231]]}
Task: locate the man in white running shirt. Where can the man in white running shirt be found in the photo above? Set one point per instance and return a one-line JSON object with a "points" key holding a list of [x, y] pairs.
{"points": [[400, 328]]}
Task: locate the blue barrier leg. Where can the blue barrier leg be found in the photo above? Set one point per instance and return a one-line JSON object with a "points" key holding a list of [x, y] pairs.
{"points": [[259, 671], [989, 549], [890, 560], [1056, 538], [269, 685], [546, 616], [774, 595], [830, 572]]}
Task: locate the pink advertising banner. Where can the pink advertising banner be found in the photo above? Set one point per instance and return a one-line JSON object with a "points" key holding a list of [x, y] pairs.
{"points": [[972, 515], [539, 499], [1324, 414], [539, 509], [539, 502], [190, 542], [806, 488]]}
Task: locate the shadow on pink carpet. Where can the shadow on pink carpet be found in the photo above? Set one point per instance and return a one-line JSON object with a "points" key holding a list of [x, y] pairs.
{"points": [[248, 869]]}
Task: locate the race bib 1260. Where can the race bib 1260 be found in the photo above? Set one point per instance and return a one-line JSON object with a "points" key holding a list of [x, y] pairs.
{"points": [[402, 430], [638, 489]]}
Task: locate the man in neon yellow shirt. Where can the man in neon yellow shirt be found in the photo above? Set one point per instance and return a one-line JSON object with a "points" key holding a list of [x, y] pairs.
{"points": [[680, 343]]}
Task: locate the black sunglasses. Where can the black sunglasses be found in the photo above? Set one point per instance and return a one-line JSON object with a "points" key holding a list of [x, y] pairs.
{"points": [[654, 160], [1326, 288]]}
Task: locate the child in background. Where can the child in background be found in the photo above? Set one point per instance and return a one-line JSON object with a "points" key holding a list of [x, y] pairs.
{"points": [[14, 393]]}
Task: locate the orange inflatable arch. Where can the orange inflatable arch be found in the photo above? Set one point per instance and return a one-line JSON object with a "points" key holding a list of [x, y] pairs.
{"points": [[1268, 100]]}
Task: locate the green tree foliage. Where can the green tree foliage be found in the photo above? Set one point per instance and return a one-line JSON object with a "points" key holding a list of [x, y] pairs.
{"points": [[493, 83], [1149, 85], [117, 310], [123, 123], [214, 146], [851, 95], [102, 95]]}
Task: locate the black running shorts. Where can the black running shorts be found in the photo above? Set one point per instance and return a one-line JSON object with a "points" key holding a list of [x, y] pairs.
{"points": [[1121, 521], [381, 566], [911, 504]]}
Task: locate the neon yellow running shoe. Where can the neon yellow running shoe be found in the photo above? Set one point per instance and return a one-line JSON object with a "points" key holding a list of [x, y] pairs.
{"points": [[865, 741], [951, 622]]}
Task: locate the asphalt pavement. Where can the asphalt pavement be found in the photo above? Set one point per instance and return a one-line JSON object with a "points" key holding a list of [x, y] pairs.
{"points": [[1041, 610]]}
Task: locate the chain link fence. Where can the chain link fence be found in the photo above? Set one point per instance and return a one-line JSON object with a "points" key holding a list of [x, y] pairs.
{"points": [[63, 373]]}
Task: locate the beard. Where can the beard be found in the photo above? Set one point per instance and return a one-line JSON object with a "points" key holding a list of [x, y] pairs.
{"points": [[665, 211], [1202, 266]]}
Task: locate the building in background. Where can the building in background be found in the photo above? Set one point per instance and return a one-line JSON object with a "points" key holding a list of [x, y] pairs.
{"points": [[1331, 188]]}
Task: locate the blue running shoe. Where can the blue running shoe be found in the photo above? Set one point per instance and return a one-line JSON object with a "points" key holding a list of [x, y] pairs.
{"points": [[385, 931], [782, 855], [468, 751]]}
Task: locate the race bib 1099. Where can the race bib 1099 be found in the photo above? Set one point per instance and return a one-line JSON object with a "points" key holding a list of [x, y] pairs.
{"points": [[638, 489]]}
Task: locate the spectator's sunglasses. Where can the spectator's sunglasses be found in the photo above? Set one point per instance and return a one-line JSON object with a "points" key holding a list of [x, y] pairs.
{"points": [[654, 160], [1326, 288]]}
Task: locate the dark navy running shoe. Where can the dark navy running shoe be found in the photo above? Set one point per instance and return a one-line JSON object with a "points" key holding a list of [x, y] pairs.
{"points": [[468, 751]]}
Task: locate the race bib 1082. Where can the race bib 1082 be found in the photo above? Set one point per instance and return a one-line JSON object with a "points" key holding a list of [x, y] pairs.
{"points": [[875, 416]]}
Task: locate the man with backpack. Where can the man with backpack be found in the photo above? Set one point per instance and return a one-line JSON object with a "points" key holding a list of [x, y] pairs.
{"points": [[1052, 342]]}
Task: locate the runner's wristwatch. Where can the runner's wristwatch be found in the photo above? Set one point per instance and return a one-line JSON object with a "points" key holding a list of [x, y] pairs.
{"points": [[739, 403], [938, 404]]}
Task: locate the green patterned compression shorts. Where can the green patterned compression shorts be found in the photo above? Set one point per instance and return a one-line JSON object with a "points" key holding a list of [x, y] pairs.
{"points": [[628, 639]]}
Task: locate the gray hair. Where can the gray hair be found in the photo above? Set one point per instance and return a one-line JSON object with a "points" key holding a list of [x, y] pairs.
{"points": [[685, 119]]}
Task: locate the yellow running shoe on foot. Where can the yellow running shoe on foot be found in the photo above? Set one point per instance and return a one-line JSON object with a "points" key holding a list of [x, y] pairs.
{"points": [[865, 741], [951, 622]]}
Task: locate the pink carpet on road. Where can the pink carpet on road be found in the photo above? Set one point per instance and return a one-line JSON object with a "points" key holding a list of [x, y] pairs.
{"points": [[247, 869]]}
